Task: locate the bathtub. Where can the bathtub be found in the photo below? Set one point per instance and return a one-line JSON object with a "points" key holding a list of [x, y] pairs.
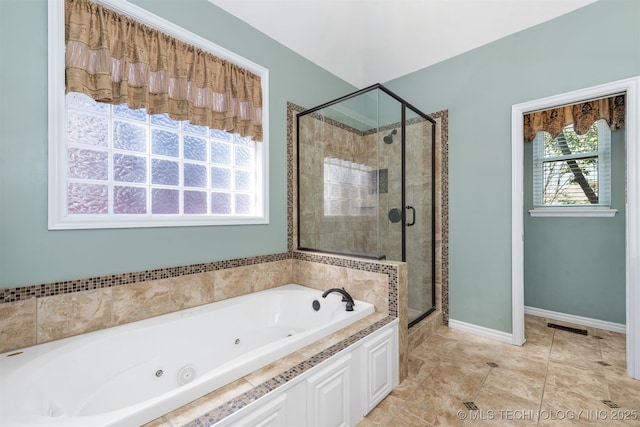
{"points": [[131, 374]]}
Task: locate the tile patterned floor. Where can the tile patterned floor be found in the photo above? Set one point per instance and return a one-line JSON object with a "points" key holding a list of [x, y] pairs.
{"points": [[556, 378]]}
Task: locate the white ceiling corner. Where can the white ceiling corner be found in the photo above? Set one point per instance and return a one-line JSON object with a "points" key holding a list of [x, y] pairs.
{"points": [[370, 41]]}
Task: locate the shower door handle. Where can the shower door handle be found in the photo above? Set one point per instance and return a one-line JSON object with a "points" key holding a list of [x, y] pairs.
{"points": [[413, 217]]}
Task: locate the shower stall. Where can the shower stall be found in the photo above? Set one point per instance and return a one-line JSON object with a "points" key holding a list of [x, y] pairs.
{"points": [[366, 185]]}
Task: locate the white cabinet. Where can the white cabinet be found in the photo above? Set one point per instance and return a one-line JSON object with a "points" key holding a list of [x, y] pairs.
{"points": [[270, 414], [338, 392], [329, 395], [380, 366], [284, 407]]}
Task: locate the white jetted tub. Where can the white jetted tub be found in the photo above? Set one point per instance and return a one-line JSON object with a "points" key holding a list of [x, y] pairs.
{"points": [[131, 374]]}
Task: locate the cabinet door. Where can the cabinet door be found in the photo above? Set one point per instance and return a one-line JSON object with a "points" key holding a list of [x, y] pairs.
{"points": [[329, 395], [270, 414], [380, 368]]}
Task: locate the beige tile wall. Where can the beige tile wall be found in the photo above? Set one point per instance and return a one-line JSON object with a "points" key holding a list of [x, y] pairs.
{"points": [[39, 320]]}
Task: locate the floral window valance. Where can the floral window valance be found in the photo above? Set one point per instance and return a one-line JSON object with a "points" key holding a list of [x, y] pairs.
{"points": [[582, 115], [117, 60]]}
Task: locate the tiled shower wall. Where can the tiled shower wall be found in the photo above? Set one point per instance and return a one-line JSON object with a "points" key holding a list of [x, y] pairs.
{"points": [[323, 138], [326, 139]]}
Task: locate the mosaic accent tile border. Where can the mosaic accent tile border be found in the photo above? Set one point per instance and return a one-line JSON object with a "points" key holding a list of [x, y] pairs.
{"points": [[444, 163], [341, 125], [292, 111], [261, 390], [70, 286], [396, 125]]}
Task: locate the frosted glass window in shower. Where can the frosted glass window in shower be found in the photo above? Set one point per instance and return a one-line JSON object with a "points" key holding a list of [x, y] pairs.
{"points": [[348, 188]]}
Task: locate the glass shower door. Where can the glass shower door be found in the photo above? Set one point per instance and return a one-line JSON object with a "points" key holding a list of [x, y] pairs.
{"points": [[419, 215], [365, 185]]}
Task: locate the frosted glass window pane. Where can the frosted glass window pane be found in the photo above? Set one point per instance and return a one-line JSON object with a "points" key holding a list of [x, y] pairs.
{"points": [[221, 178], [195, 175], [129, 200], [128, 136], [244, 204], [86, 129], [164, 120], [241, 139], [244, 180], [195, 148], [244, 156], [87, 199], [165, 201], [165, 143], [221, 203], [221, 153], [165, 172], [334, 190], [129, 168], [116, 145], [220, 134], [82, 102], [122, 110], [195, 202], [87, 164], [188, 127]]}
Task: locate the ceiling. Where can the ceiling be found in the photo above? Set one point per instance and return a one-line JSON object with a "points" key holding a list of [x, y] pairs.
{"points": [[370, 41]]}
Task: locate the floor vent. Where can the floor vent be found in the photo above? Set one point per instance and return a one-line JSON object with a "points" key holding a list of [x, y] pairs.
{"points": [[567, 328], [470, 406], [603, 363], [492, 364], [610, 404]]}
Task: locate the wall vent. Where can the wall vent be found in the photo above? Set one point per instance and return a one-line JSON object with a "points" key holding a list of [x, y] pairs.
{"points": [[470, 406], [567, 328], [610, 404]]}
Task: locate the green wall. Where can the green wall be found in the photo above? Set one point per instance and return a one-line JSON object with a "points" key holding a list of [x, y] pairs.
{"points": [[30, 254], [577, 265], [479, 88]]}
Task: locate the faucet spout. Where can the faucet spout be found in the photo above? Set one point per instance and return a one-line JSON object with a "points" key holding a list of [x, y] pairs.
{"points": [[345, 297]]}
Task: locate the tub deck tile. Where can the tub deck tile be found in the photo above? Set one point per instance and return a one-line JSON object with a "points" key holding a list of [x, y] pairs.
{"points": [[243, 399]]}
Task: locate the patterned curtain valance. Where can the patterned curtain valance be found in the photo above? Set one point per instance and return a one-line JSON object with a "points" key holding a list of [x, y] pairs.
{"points": [[118, 60], [581, 115]]}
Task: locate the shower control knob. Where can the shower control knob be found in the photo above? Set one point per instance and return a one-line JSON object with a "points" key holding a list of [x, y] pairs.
{"points": [[395, 215]]}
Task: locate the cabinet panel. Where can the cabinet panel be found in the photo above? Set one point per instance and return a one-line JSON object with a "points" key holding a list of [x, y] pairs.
{"points": [[380, 365], [329, 395], [270, 414]]}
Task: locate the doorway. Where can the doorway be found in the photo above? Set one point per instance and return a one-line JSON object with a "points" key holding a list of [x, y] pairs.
{"points": [[631, 88]]}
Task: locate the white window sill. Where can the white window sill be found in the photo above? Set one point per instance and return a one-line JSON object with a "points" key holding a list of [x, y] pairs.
{"points": [[562, 212]]}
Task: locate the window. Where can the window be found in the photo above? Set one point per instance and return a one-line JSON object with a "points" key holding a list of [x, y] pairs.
{"points": [[111, 166], [573, 170], [349, 188]]}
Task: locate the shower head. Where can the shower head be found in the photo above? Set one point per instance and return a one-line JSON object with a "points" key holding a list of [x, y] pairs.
{"points": [[389, 138]]}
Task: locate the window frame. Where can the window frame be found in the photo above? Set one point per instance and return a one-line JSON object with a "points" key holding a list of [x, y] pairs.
{"points": [[57, 216], [574, 211], [603, 155]]}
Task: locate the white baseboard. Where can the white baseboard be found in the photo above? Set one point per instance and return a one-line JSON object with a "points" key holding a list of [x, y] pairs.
{"points": [[577, 320], [481, 331]]}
